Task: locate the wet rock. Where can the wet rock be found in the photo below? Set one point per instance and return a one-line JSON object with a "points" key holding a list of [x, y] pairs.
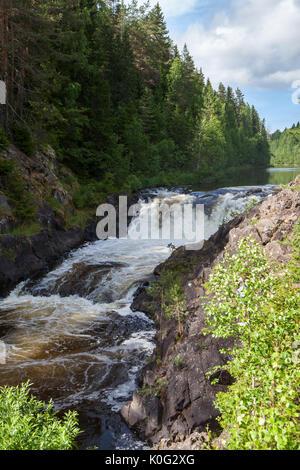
{"points": [[82, 279], [254, 191], [186, 405], [23, 257], [143, 302], [90, 234]]}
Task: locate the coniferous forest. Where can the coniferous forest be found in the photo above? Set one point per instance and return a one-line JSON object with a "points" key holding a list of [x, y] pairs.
{"points": [[106, 87], [285, 147], [147, 341]]}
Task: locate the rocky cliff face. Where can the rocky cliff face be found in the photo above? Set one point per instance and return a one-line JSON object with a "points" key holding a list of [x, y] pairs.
{"points": [[23, 257], [52, 234], [49, 204], [175, 402]]}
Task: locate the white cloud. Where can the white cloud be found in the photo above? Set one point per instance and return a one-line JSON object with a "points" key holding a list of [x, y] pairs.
{"points": [[172, 8], [256, 44]]}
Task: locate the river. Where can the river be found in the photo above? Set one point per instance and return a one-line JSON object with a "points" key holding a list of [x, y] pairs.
{"points": [[72, 332]]}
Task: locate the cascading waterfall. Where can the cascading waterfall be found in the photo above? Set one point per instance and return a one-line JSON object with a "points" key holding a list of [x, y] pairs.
{"points": [[73, 334]]}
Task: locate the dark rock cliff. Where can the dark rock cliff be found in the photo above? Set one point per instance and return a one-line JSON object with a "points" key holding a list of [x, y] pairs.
{"points": [[26, 256], [175, 402]]}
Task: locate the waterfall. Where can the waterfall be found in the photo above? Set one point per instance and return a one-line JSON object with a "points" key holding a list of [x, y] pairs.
{"points": [[72, 332]]}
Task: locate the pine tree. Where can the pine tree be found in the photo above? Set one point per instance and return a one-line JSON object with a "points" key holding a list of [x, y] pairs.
{"points": [[222, 93]]}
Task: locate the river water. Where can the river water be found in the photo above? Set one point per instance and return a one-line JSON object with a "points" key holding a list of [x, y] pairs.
{"points": [[72, 333]]}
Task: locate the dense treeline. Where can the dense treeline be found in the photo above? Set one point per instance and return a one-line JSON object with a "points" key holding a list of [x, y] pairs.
{"points": [[285, 147], [106, 87]]}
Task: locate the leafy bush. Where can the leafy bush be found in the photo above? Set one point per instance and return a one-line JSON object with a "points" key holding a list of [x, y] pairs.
{"points": [[239, 286], [251, 302], [30, 424]]}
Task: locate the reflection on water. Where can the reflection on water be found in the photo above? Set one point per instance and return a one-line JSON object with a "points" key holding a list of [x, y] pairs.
{"points": [[282, 175], [254, 177]]}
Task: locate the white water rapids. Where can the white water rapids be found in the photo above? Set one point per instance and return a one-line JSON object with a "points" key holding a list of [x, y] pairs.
{"points": [[73, 334]]}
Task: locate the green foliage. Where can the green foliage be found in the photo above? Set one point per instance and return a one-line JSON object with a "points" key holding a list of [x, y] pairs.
{"points": [[259, 307], [23, 140], [251, 203], [295, 261], [7, 166], [27, 229], [212, 142], [15, 188], [157, 389], [161, 384], [3, 140], [79, 219], [107, 90], [178, 361], [131, 184], [55, 204], [30, 424], [285, 147], [86, 196], [175, 304], [238, 285], [168, 290]]}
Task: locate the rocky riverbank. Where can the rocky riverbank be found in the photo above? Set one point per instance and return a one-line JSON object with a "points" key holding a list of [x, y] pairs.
{"points": [[175, 401], [30, 246]]}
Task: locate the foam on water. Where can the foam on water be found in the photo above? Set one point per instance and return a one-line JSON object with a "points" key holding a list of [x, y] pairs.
{"points": [[73, 334]]}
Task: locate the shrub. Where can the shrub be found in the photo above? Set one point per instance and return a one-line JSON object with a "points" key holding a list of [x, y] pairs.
{"points": [[16, 190], [30, 424], [248, 300], [175, 305], [23, 140], [169, 291]]}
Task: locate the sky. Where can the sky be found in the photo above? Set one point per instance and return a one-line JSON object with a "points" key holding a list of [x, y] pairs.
{"points": [[250, 44]]}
